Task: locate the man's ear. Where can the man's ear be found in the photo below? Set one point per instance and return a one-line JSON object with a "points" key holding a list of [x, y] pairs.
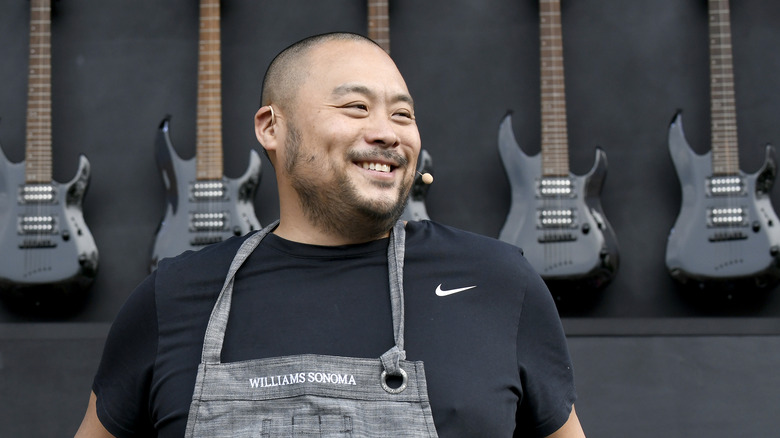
{"points": [[266, 128]]}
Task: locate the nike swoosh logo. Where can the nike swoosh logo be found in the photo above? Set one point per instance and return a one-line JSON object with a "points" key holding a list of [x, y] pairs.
{"points": [[443, 293]]}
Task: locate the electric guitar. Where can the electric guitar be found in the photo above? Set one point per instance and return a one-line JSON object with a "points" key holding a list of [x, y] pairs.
{"points": [[555, 216], [203, 206], [727, 235], [46, 245], [379, 32]]}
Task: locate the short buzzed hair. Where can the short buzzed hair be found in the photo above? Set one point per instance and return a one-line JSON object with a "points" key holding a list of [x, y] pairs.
{"points": [[288, 69]]}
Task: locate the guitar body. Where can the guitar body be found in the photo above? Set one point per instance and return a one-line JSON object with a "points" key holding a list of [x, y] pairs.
{"points": [[566, 238], [46, 244], [722, 240], [199, 213]]}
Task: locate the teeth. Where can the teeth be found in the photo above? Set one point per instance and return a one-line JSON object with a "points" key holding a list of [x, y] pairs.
{"points": [[377, 166]]}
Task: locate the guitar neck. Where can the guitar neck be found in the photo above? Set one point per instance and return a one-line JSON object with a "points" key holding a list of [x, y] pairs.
{"points": [[555, 148], [38, 159], [208, 144], [379, 23], [725, 154]]}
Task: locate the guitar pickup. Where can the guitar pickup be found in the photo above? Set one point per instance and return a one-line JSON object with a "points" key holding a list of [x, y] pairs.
{"points": [[203, 191], [556, 218], [726, 186], [42, 224], [727, 217], [208, 221], [37, 194], [555, 188]]}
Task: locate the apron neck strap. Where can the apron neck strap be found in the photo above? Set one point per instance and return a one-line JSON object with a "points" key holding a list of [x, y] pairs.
{"points": [[395, 266], [215, 331]]}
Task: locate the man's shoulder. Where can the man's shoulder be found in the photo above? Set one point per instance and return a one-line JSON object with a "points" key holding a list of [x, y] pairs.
{"points": [[440, 236], [438, 246], [196, 269], [216, 254]]}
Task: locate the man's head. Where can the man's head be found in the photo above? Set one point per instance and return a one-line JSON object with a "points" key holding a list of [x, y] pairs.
{"points": [[289, 68], [342, 135]]}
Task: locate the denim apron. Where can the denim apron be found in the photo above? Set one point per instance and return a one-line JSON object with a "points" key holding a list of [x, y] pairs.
{"points": [[310, 395]]}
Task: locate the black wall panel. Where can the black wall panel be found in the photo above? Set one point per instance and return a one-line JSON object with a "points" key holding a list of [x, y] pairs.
{"points": [[119, 67], [677, 387]]}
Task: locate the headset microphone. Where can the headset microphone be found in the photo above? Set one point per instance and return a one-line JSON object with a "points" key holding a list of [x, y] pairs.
{"points": [[427, 178]]}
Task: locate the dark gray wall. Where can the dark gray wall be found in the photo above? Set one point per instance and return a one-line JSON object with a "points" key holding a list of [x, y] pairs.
{"points": [[120, 66]]}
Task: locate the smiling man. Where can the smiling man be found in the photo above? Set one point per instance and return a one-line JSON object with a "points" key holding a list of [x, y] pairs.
{"points": [[338, 320], [346, 144]]}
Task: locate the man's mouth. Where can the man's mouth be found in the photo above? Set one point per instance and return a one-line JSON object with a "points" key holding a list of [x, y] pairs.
{"points": [[379, 167]]}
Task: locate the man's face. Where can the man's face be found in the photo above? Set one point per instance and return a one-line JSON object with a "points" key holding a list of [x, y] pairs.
{"points": [[352, 141]]}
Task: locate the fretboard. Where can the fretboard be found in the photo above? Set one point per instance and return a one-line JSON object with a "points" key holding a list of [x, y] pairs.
{"points": [[555, 147], [208, 144], [38, 161], [725, 154], [379, 23]]}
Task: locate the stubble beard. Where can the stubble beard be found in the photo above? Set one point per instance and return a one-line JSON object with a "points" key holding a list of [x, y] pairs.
{"points": [[337, 208]]}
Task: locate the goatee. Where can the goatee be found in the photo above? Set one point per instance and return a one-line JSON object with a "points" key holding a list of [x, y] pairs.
{"points": [[338, 208]]}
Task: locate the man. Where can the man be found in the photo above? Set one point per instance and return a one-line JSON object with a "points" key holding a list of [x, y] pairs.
{"points": [[297, 342]]}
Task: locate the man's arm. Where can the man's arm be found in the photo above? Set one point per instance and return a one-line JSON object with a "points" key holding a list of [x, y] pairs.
{"points": [[91, 427], [570, 429]]}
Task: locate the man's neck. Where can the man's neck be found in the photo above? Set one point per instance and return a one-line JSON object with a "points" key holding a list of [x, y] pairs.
{"points": [[314, 235]]}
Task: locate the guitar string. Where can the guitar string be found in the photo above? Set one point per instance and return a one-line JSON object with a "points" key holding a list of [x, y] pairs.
{"points": [[557, 250], [725, 121], [38, 138], [209, 115]]}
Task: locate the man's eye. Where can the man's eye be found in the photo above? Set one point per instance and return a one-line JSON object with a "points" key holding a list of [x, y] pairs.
{"points": [[359, 106], [406, 114]]}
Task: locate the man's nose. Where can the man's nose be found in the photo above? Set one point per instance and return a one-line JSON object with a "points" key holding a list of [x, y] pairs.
{"points": [[381, 131]]}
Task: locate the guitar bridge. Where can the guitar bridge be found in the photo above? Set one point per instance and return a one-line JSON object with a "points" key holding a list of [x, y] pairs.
{"points": [[37, 243], [556, 237], [726, 236], [205, 240]]}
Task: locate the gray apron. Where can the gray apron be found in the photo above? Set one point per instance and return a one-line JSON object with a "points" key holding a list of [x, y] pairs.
{"points": [[310, 395]]}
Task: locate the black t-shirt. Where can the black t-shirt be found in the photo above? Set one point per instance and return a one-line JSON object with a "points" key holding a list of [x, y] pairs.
{"points": [[495, 355]]}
